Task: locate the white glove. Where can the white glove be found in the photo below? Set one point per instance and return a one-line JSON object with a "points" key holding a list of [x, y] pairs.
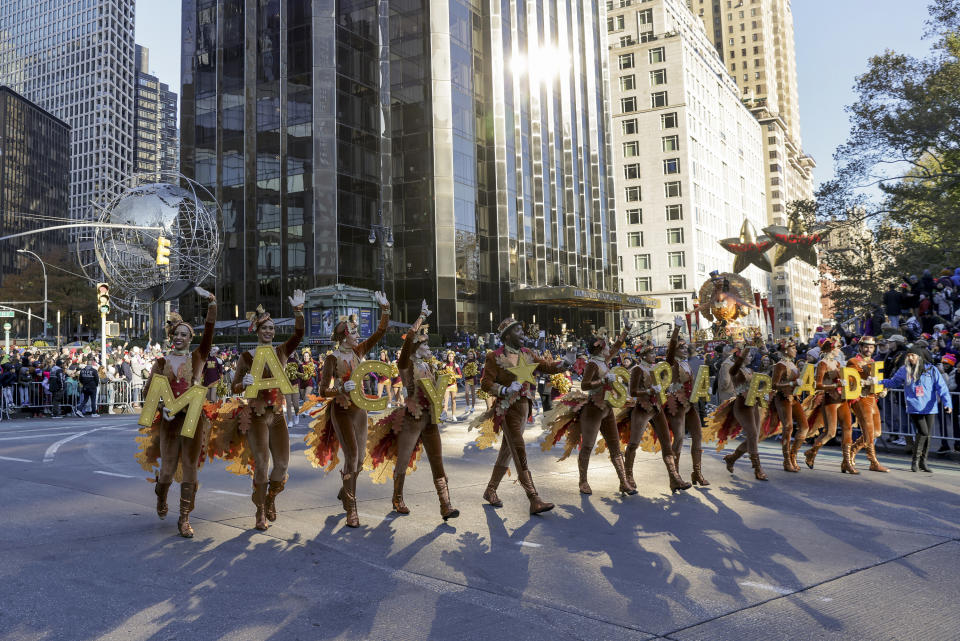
{"points": [[656, 388], [424, 310], [202, 293], [678, 321], [514, 388], [381, 299], [247, 379], [298, 299], [349, 386], [610, 377], [167, 414]]}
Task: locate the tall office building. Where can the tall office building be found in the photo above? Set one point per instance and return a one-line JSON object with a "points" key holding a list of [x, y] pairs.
{"points": [[688, 156], [449, 150], [755, 39], [155, 129], [34, 176], [74, 58]]}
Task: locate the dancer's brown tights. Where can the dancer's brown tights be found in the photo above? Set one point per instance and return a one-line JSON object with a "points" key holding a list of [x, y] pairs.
{"points": [[749, 419], [787, 411], [832, 412], [593, 420], [641, 417], [418, 429], [681, 423], [268, 437], [868, 418], [180, 449], [351, 428]]}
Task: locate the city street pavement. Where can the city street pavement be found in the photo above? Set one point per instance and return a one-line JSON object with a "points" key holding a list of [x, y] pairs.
{"points": [[815, 555]]}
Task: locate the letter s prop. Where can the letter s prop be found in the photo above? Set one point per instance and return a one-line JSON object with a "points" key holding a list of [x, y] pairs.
{"points": [[618, 397]]}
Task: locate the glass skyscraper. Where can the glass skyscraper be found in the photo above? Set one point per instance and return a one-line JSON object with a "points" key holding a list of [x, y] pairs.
{"points": [[473, 134]]}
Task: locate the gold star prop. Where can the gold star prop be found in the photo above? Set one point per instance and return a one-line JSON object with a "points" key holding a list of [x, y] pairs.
{"points": [[523, 371], [793, 242], [748, 249]]}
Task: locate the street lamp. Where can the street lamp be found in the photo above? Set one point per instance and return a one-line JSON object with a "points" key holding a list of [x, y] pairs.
{"points": [[44, 266]]}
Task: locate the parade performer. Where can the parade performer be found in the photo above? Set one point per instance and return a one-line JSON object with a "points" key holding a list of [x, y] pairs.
{"points": [[648, 409], [471, 370], [787, 406], [397, 437], [591, 414], [163, 440], [508, 378], [267, 432], [294, 373], [383, 382], [865, 408], [681, 414], [736, 411], [349, 422], [828, 406], [450, 394]]}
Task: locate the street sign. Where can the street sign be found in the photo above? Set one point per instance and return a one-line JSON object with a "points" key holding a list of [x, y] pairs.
{"points": [[6, 313], [7, 327]]}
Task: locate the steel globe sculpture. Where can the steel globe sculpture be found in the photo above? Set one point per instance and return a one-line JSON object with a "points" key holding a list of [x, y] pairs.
{"points": [[180, 211]]}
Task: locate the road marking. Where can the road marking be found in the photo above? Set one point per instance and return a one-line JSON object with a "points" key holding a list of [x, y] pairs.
{"points": [[13, 458], [29, 436], [122, 476], [230, 493], [17, 430], [51, 452], [527, 544], [375, 516], [767, 587]]}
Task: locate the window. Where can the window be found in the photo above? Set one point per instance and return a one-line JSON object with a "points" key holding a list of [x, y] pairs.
{"points": [[644, 284], [615, 23], [626, 61], [658, 77], [626, 41], [631, 149], [658, 99], [633, 194], [775, 181], [676, 259], [677, 281], [668, 121], [772, 140], [641, 262], [678, 304], [628, 83], [635, 216], [631, 171], [671, 143], [645, 17], [647, 36], [672, 189], [629, 127], [675, 236], [628, 105], [674, 212], [635, 239], [656, 55], [671, 166]]}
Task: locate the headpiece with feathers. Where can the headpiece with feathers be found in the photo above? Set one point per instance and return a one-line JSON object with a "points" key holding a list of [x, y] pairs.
{"points": [[257, 318], [174, 320], [346, 325]]}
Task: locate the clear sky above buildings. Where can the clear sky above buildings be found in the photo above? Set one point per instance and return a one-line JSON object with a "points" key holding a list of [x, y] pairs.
{"points": [[834, 40]]}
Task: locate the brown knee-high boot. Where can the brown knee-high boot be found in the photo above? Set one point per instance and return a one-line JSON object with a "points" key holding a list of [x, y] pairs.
{"points": [[847, 466], [259, 499], [629, 457], [188, 493], [731, 458], [583, 462], [161, 490], [757, 470], [787, 464], [676, 482], [350, 498], [447, 511], [811, 455], [537, 505], [398, 505], [270, 506], [697, 477], [490, 494], [625, 486], [875, 465]]}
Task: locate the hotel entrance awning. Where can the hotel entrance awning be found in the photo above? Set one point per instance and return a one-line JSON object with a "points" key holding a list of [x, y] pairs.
{"points": [[579, 297]]}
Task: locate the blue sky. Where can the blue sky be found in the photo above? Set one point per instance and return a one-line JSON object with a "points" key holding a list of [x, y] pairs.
{"points": [[834, 40]]}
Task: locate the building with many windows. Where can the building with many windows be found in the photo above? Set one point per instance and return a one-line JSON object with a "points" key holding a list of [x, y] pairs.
{"points": [[74, 59], [688, 156], [449, 150], [34, 176], [155, 129], [755, 40]]}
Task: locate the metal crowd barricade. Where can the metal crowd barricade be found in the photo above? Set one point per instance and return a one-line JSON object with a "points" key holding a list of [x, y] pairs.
{"points": [[896, 422], [34, 397]]}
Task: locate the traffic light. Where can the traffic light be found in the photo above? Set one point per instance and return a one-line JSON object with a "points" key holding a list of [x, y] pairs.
{"points": [[103, 298], [163, 250]]}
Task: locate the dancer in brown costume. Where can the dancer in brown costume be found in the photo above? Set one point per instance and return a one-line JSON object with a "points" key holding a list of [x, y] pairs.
{"points": [[350, 421], [512, 405], [748, 417], [597, 415], [183, 369], [788, 407], [681, 414], [830, 381], [865, 408], [648, 409], [417, 423], [268, 435]]}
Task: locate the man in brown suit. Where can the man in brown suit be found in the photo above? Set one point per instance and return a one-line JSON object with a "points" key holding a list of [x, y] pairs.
{"points": [[508, 378]]}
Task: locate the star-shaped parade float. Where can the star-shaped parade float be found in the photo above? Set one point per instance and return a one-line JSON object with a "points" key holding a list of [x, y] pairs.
{"points": [[748, 249], [793, 242], [523, 371]]}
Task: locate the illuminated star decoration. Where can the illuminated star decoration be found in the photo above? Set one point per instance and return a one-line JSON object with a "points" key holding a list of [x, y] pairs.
{"points": [[523, 371], [793, 242], [748, 249]]}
